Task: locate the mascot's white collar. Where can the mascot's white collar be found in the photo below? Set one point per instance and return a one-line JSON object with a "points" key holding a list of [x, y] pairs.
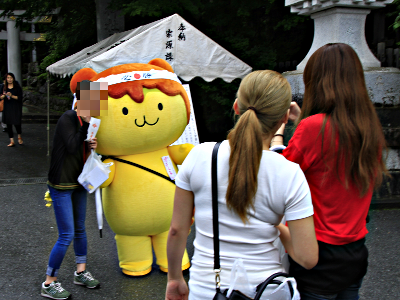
{"points": [[139, 75]]}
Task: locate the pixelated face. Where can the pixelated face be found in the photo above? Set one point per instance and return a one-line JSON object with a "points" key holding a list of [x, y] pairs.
{"points": [[92, 99], [133, 128]]}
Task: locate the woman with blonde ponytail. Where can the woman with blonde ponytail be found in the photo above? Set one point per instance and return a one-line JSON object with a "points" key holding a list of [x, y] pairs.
{"points": [[256, 188]]}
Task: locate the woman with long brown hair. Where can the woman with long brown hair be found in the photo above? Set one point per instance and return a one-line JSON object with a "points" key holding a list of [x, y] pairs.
{"points": [[338, 144], [256, 188], [12, 113]]}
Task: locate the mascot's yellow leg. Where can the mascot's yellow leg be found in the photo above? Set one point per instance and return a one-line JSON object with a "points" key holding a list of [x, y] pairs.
{"points": [[135, 254], [160, 249]]}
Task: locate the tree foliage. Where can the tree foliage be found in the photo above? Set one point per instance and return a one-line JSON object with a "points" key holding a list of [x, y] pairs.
{"points": [[259, 32], [396, 13], [72, 29]]}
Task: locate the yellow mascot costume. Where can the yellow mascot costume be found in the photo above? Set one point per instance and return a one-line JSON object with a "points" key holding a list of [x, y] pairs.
{"points": [[148, 110]]}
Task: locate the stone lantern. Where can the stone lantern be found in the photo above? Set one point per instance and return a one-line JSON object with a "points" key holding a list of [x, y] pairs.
{"points": [[343, 21], [339, 21]]}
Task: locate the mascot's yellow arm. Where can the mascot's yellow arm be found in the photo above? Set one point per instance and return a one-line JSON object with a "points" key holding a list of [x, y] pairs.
{"points": [[111, 175], [178, 153]]}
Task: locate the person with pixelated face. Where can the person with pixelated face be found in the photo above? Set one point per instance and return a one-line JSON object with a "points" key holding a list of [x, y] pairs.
{"points": [[68, 197], [92, 98]]}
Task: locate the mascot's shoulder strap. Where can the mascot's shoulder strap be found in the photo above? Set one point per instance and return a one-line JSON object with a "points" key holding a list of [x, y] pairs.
{"points": [[141, 167]]}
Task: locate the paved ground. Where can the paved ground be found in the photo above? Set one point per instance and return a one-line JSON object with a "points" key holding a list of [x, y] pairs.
{"points": [[28, 232]]}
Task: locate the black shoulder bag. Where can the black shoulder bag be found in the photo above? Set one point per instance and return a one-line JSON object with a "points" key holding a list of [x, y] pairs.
{"points": [[235, 295]]}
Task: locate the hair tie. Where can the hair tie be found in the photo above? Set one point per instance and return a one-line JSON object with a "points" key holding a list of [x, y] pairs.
{"points": [[252, 108]]}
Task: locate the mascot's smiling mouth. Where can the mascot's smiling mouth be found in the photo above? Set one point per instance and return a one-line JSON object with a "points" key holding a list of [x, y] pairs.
{"points": [[144, 123]]}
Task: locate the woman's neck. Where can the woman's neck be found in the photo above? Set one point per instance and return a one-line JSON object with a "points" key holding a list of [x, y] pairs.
{"points": [[10, 85], [267, 142]]}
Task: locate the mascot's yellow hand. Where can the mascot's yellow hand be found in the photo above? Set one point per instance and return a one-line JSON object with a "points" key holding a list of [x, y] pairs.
{"points": [[48, 199], [111, 175], [178, 153]]}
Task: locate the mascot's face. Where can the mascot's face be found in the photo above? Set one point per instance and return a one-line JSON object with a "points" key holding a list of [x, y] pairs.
{"points": [[133, 128], [145, 114]]}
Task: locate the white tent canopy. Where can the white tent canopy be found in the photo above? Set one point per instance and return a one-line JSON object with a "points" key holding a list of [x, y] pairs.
{"points": [[188, 51]]}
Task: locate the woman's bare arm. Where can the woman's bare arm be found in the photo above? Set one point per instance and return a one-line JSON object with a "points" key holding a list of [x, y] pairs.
{"points": [[300, 242], [180, 225]]}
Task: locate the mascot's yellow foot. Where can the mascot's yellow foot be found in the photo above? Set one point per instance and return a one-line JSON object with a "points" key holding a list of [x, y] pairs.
{"points": [[136, 273], [184, 267]]}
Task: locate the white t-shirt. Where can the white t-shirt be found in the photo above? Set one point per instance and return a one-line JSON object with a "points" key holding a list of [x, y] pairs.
{"points": [[282, 191]]}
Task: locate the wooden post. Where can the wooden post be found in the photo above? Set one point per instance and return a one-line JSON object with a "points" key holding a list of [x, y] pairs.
{"points": [[48, 114], [381, 52], [389, 57]]}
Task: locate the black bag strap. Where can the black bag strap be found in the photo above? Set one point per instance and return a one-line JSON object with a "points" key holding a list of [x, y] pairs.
{"points": [[140, 167], [272, 280], [217, 267], [214, 192]]}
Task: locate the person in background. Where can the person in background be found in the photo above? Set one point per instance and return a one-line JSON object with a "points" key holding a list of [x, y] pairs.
{"points": [[69, 200], [338, 143], [12, 112], [256, 188], [3, 125]]}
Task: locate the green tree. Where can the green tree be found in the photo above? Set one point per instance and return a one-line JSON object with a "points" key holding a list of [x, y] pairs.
{"points": [[396, 13], [259, 32], [72, 29]]}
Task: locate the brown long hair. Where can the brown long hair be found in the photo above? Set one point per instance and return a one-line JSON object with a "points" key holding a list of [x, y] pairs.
{"points": [[334, 85], [268, 95]]}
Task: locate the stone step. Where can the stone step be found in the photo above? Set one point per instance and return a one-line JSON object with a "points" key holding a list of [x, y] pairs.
{"points": [[389, 116], [392, 136], [388, 195], [36, 115], [390, 186], [38, 121], [385, 202]]}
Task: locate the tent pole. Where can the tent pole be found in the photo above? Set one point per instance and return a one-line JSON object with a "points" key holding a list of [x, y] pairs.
{"points": [[48, 114]]}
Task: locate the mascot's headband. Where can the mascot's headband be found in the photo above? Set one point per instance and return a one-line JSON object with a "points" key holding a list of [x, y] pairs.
{"points": [[139, 75]]}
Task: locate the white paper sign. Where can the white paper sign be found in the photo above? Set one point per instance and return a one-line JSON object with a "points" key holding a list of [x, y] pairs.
{"points": [[169, 166], [190, 135], [93, 128]]}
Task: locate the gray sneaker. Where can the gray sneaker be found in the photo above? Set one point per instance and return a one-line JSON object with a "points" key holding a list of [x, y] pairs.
{"points": [[86, 279], [54, 291]]}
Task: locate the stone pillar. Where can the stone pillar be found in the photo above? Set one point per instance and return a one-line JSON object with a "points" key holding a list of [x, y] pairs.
{"points": [[342, 25], [14, 50], [108, 21]]}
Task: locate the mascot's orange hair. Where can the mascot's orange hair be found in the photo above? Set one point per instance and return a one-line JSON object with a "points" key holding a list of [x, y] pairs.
{"points": [[135, 88]]}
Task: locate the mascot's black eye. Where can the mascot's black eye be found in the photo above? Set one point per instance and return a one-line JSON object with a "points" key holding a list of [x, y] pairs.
{"points": [[125, 111], [160, 107]]}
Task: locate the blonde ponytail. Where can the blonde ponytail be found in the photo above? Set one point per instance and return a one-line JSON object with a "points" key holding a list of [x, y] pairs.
{"points": [[263, 99]]}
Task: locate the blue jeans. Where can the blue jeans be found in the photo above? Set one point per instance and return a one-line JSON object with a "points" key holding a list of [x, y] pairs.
{"points": [[70, 210], [351, 293]]}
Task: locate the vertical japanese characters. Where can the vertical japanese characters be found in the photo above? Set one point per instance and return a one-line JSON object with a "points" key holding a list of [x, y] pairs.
{"points": [[169, 43]]}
